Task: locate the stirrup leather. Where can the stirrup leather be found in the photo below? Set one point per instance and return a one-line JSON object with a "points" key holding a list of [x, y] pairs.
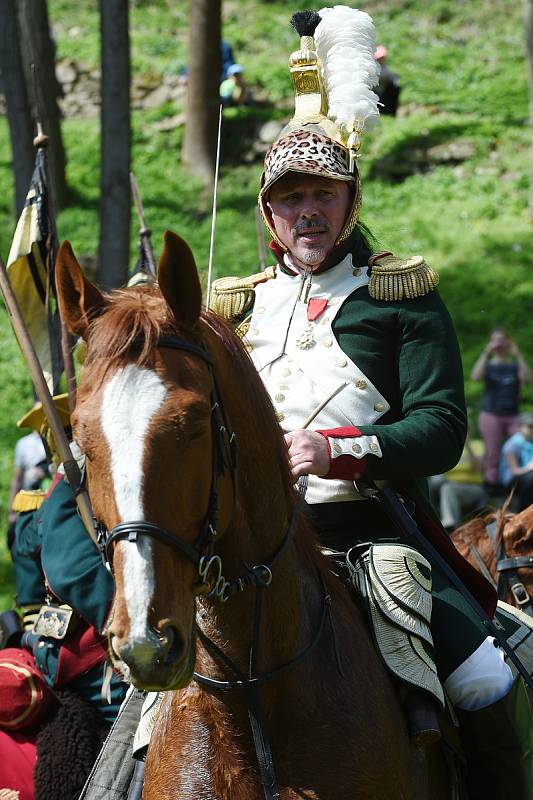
{"points": [[395, 581]]}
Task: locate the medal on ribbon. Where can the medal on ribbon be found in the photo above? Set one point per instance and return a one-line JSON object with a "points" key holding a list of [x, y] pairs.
{"points": [[315, 307]]}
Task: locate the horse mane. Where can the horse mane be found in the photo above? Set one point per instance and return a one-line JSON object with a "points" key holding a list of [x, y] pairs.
{"points": [[131, 320], [474, 533]]}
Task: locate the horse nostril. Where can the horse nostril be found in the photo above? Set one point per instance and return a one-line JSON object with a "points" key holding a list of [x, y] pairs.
{"points": [[172, 645]]}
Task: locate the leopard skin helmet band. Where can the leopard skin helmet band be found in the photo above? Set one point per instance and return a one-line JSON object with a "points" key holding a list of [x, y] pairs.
{"points": [[309, 151]]}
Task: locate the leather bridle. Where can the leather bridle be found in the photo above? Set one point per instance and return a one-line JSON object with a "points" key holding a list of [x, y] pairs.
{"points": [[508, 578], [224, 457], [210, 571]]}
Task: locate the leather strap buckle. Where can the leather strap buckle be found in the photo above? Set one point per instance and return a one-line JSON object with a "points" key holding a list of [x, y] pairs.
{"points": [[520, 594]]}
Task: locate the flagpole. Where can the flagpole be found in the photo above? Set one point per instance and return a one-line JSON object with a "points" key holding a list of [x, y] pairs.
{"points": [[72, 471], [40, 142]]}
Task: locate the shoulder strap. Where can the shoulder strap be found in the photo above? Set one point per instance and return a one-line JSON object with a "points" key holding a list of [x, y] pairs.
{"points": [[232, 297], [394, 278], [27, 500]]}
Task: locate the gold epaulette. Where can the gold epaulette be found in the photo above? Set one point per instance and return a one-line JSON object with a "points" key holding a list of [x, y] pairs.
{"points": [[28, 500], [232, 297], [395, 278]]}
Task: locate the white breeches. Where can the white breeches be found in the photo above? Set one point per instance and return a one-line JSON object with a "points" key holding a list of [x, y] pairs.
{"points": [[481, 680]]}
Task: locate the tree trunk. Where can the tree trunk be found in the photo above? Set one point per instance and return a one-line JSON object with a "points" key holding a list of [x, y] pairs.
{"points": [[17, 104], [528, 25], [39, 49], [115, 205], [201, 127]]}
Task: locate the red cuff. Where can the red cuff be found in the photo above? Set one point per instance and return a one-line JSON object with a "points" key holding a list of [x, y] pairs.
{"points": [[341, 433], [345, 467]]}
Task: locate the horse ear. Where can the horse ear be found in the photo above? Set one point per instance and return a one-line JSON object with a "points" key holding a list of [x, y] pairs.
{"points": [[79, 300], [178, 280]]}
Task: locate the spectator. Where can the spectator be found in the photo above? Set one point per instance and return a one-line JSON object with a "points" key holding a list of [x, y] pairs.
{"points": [[516, 466], [388, 89], [233, 91], [31, 470], [459, 492], [226, 58], [503, 370]]}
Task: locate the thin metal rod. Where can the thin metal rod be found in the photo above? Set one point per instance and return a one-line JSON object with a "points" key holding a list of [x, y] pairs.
{"points": [[214, 214], [72, 471], [324, 403]]}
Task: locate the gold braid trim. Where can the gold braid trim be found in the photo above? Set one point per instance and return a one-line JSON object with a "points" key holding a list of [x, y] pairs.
{"points": [[394, 278], [28, 500], [232, 297]]}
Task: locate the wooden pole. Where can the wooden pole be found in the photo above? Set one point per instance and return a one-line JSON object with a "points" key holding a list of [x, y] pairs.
{"points": [[144, 232], [72, 471]]}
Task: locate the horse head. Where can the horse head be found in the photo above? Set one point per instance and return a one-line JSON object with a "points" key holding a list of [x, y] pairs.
{"points": [[517, 539], [144, 419]]}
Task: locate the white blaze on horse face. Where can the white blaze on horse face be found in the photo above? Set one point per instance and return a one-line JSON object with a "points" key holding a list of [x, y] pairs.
{"points": [[130, 400]]}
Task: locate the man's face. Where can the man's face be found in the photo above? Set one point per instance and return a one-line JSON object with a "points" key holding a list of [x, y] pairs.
{"points": [[308, 214]]}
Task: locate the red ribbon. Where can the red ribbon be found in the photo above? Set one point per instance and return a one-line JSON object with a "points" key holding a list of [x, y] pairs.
{"points": [[315, 307]]}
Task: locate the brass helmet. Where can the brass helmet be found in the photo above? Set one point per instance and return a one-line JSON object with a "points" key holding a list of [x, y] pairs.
{"points": [[333, 74]]}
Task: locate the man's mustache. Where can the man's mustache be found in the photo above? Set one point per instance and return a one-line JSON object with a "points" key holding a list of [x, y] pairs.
{"points": [[307, 225]]}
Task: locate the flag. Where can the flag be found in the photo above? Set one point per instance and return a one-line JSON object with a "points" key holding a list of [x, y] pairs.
{"points": [[30, 271]]}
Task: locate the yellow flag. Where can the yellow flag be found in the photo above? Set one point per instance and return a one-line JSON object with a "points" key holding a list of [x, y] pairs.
{"points": [[28, 271]]}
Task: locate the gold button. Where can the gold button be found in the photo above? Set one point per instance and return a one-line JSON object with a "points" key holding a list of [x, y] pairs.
{"points": [[286, 371], [361, 384], [280, 416], [337, 448], [260, 310], [374, 447], [249, 346], [357, 448], [283, 387], [379, 407], [328, 341], [279, 398], [341, 362]]}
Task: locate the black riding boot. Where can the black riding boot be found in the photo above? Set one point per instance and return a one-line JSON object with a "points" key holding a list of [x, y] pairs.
{"points": [[498, 744]]}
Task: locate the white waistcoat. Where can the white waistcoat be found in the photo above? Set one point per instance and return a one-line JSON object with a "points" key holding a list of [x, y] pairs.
{"points": [[299, 378]]}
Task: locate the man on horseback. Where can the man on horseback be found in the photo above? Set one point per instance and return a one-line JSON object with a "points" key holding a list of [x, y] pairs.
{"points": [[358, 345]]}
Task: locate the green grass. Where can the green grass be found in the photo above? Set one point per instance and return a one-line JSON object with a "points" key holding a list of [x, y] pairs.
{"points": [[463, 75]]}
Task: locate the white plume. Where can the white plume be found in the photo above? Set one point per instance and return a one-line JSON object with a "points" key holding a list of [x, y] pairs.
{"points": [[345, 43]]}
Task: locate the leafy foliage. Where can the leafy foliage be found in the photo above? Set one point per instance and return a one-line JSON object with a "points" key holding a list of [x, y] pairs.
{"points": [[463, 76]]}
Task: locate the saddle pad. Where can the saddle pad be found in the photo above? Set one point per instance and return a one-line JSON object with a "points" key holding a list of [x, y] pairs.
{"points": [[150, 710], [395, 580], [519, 633]]}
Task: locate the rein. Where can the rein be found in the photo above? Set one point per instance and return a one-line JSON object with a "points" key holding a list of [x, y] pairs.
{"points": [[210, 571]]}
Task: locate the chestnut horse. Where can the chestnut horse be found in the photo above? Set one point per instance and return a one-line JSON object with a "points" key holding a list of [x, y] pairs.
{"points": [[282, 648], [500, 546]]}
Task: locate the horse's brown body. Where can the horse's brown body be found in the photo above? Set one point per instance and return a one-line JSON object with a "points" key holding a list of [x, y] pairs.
{"points": [[334, 721], [513, 535]]}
